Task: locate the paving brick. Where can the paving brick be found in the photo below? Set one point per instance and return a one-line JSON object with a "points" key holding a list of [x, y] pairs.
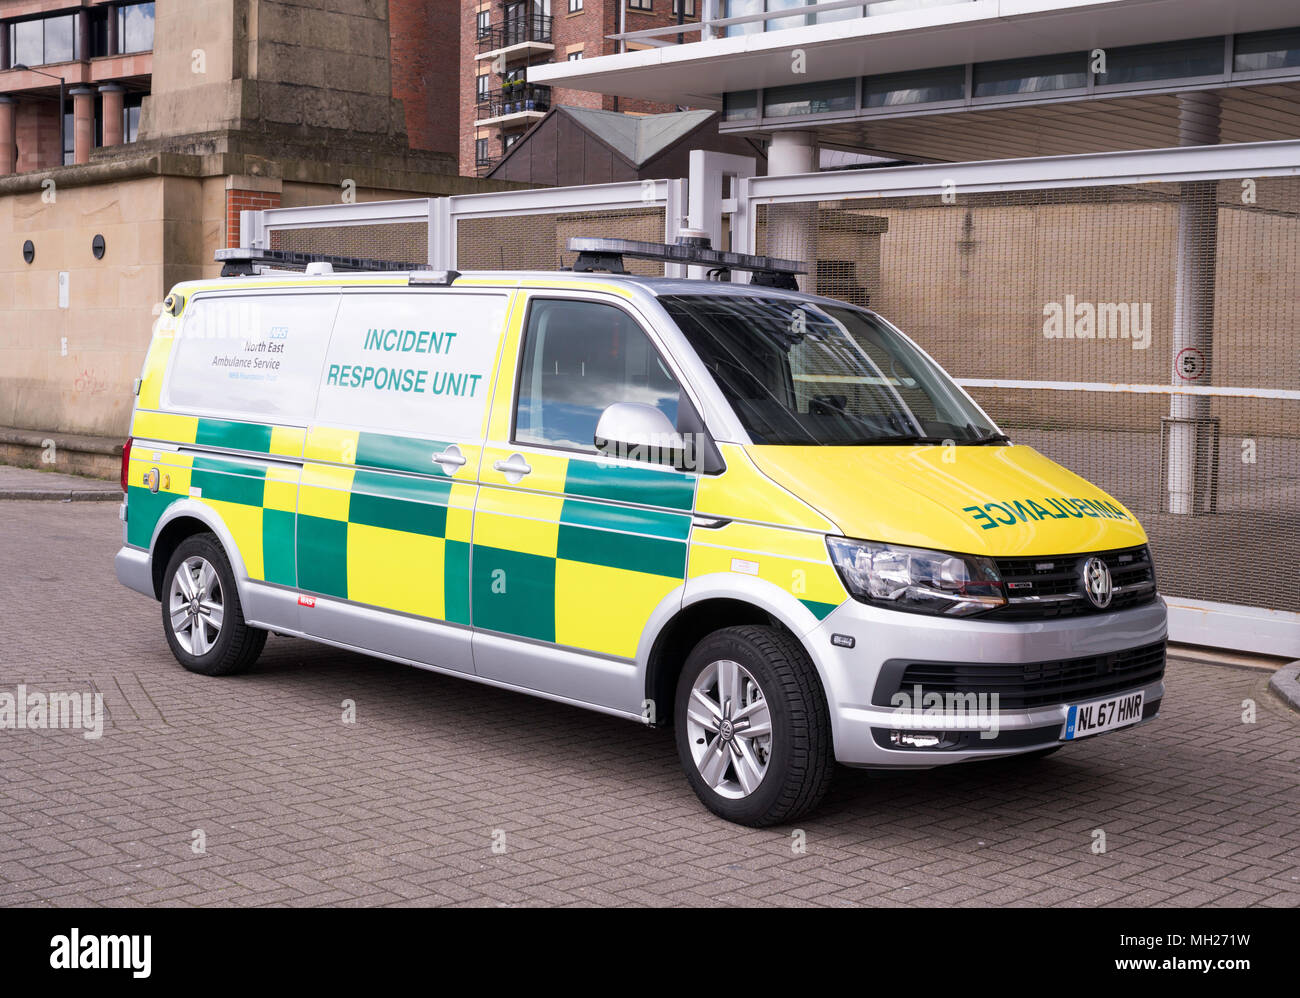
{"points": [[299, 809]]}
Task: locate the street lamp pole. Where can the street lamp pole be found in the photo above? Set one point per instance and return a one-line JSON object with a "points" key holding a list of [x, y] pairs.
{"points": [[63, 138]]}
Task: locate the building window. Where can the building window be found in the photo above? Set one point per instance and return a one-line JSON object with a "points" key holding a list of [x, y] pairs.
{"points": [[809, 98], [483, 23], [1166, 61], [690, 7], [1264, 50], [575, 56], [69, 134], [135, 28], [640, 4], [740, 106], [131, 104], [507, 141], [481, 154], [924, 86], [575, 6], [43, 41], [481, 87], [1031, 76]]}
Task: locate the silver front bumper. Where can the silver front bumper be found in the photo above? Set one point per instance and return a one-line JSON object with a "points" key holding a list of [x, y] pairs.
{"points": [[850, 674]]}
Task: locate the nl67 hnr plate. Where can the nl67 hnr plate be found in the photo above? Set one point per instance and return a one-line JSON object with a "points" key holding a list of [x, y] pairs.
{"points": [[1093, 718]]}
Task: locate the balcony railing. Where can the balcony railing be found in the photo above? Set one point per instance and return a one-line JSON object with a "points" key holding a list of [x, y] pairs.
{"points": [[515, 31], [513, 99]]}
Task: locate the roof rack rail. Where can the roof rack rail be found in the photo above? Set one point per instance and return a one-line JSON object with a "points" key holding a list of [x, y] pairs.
{"points": [[692, 247], [246, 261]]}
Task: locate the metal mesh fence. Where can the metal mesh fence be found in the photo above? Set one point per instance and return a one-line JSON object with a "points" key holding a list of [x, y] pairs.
{"points": [[405, 242], [1159, 284], [536, 242]]}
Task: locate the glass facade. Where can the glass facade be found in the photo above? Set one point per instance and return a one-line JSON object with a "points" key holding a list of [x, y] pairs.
{"points": [[922, 86], [1166, 61], [1265, 50], [1159, 66], [1031, 76], [809, 98]]}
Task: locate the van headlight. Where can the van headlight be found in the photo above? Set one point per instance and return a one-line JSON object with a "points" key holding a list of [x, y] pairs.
{"points": [[903, 578]]}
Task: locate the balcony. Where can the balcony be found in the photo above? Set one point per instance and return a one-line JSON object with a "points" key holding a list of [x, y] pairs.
{"points": [[513, 104], [516, 38]]}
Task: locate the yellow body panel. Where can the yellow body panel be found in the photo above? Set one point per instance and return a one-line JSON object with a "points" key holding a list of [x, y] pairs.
{"points": [[165, 426], [287, 441], [960, 499], [396, 570], [514, 520], [326, 491], [616, 628], [245, 526], [331, 445], [281, 488], [743, 492]]}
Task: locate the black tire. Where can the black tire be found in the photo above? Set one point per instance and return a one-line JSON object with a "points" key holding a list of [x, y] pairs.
{"points": [[801, 759], [236, 646]]}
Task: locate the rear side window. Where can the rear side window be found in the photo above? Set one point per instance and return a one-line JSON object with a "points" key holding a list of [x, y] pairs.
{"points": [[251, 356], [414, 363], [578, 358]]}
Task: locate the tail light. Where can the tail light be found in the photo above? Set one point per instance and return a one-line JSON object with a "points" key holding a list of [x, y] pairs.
{"points": [[126, 462]]}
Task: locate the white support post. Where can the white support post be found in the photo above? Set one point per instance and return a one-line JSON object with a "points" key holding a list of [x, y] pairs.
{"points": [[708, 175], [442, 235], [674, 216]]}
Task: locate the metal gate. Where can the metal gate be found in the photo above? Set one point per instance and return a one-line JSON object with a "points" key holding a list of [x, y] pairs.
{"points": [[1134, 316]]}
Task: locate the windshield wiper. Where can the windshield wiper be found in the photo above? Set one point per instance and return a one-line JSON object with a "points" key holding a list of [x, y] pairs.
{"points": [[988, 438]]}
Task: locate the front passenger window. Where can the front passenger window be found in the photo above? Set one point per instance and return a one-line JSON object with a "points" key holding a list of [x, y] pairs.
{"points": [[579, 358]]}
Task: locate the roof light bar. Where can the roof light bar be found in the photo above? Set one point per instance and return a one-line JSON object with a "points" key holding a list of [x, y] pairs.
{"points": [[595, 253], [244, 261]]}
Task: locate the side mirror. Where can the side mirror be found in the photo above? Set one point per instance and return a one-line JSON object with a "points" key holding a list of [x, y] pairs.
{"points": [[638, 432]]}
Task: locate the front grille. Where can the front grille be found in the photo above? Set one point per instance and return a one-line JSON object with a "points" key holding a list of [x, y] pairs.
{"points": [[1024, 686], [1039, 588]]}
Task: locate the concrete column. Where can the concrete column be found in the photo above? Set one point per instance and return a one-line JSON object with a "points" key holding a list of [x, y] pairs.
{"points": [[113, 94], [1190, 444], [113, 44], [792, 228], [83, 34], [8, 145], [83, 123]]}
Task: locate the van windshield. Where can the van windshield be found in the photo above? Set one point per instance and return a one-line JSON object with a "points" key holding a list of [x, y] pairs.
{"points": [[798, 373]]}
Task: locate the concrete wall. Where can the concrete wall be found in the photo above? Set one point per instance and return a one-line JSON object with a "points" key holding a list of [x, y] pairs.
{"points": [[71, 368]]}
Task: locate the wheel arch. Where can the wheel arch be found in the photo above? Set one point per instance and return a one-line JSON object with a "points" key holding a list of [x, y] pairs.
{"points": [[710, 604], [185, 519]]}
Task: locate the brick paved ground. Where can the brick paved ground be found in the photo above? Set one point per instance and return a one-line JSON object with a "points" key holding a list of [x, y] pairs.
{"points": [[400, 808]]}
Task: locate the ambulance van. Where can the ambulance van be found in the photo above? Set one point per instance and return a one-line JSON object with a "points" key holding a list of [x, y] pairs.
{"points": [[764, 519]]}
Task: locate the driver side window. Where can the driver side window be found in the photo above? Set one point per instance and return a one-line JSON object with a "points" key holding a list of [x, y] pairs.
{"points": [[578, 358]]}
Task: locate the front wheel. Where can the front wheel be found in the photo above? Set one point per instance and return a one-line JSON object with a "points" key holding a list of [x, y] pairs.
{"points": [[202, 616], [753, 731]]}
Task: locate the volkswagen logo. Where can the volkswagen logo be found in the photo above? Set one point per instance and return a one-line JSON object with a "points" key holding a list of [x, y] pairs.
{"points": [[1096, 582]]}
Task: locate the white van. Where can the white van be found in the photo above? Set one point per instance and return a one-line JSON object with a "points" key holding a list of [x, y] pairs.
{"points": [[765, 519]]}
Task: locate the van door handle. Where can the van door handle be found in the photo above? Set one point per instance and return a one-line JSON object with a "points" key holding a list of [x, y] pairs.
{"points": [[450, 460], [514, 468]]}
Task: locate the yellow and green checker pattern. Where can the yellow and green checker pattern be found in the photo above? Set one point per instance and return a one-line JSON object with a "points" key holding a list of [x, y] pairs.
{"points": [[256, 500], [581, 553], [371, 531]]}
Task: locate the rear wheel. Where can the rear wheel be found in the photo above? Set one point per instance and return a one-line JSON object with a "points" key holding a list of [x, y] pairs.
{"points": [[202, 616], [753, 731]]}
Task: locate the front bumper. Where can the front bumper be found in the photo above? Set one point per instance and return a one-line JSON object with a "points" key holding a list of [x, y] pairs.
{"points": [[850, 676]]}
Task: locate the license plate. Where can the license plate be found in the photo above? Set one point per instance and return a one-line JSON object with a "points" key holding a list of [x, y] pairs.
{"points": [[1103, 715]]}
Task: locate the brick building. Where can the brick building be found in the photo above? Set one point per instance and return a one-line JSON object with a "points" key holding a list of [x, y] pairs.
{"points": [[176, 116], [501, 39]]}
